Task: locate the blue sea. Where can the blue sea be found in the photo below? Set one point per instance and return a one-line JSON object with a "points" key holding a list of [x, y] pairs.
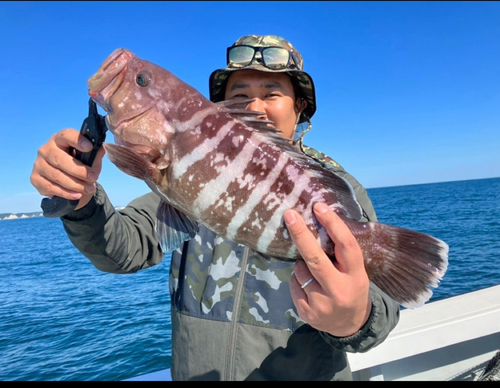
{"points": [[63, 320]]}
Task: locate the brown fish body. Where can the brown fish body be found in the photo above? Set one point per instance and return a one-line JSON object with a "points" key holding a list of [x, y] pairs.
{"points": [[216, 164]]}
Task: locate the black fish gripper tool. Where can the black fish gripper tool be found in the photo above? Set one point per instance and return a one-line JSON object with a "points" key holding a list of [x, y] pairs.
{"points": [[94, 129]]}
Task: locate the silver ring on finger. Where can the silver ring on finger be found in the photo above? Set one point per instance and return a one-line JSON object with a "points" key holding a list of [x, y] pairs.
{"points": [[306, 283]]}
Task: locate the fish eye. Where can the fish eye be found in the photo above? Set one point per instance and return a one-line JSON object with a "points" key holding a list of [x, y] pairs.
{"points": [[142, 79]]}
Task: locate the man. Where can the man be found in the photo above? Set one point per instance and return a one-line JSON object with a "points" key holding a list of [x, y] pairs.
{"points": [[236, 316]]}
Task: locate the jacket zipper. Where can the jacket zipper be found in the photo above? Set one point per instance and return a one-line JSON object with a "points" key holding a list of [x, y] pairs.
{"points": [[233, 329]]}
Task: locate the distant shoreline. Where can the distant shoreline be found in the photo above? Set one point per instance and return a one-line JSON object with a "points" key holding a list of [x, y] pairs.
{"points": [[18, 216]]}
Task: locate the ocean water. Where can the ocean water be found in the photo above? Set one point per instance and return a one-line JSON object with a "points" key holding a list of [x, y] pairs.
{"points": [[63, 320]]}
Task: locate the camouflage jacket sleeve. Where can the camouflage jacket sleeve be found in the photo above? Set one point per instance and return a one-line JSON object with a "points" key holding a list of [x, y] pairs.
{"points": [[383, 319], [116, 241], [385, 311]]}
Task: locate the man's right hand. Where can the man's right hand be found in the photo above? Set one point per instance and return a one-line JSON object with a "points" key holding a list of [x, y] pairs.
{"points": [[57, 173]]}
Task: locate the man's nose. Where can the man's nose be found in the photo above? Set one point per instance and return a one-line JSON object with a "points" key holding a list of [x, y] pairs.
{"points": [[257, 105]]}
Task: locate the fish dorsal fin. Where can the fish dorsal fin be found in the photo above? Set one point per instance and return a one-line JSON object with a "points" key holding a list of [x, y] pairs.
{"points": [[173, 227], [236, 108], [340, 187], [239, 104]]}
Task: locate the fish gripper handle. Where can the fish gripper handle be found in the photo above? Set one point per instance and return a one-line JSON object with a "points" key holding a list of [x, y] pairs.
{"points": [[94, 129]]}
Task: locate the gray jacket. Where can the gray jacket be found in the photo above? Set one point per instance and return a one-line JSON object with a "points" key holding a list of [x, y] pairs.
{"points": [[232, 314]]}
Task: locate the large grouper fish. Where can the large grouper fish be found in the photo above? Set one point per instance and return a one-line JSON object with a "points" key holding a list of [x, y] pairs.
{"points": [[219, 165]]}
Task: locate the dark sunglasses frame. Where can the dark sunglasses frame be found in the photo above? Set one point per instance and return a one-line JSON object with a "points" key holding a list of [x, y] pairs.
{"points": [[261, 50]]}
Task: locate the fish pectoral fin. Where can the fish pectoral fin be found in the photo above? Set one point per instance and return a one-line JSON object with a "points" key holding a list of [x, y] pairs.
{"points": [[130, 161], [173, 227]]}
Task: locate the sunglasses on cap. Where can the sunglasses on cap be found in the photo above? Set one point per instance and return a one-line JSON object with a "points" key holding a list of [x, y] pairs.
{"points": [[274, 58]]}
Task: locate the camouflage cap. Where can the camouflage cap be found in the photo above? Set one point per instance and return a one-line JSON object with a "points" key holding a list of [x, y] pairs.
{"points": [[218, 78]]}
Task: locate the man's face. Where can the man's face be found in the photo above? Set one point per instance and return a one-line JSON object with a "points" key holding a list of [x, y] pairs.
{"points": [[273, 94]]}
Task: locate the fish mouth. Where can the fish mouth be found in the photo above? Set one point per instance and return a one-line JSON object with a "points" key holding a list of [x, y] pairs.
{"points": [[109, 77]]}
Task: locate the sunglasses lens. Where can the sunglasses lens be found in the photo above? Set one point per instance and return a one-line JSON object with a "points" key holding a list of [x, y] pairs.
{"points": [[241, 55], [275, 58]]}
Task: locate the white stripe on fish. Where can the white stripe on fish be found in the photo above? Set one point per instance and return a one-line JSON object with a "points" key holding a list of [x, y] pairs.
{"points": [[255, 197], [200, 152], [215, 188]]}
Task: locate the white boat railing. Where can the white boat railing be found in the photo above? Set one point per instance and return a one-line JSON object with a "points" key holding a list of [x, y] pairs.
{"points": [[447, 339]]}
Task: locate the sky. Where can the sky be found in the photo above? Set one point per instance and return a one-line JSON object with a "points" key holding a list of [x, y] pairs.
{"points": [[407, 92]]}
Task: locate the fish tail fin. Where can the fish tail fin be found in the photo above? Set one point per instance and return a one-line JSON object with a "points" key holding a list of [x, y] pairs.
{"points": [[403, 263]]}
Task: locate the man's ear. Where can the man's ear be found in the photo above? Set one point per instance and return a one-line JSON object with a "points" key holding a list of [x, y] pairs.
{"points": [[300, 105]]}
